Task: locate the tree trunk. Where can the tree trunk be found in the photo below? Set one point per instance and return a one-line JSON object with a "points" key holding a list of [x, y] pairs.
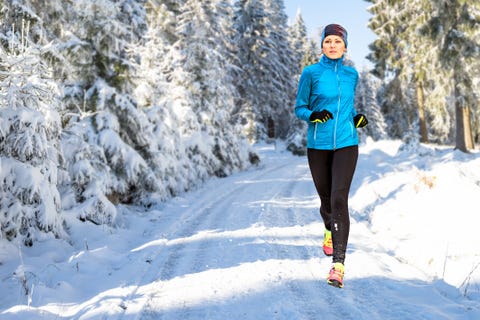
{"points": [[421, 112], [271, 128], [464, 136]]}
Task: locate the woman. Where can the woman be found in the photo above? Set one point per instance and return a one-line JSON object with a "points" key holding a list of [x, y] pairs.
{"points": [[325, 99]]}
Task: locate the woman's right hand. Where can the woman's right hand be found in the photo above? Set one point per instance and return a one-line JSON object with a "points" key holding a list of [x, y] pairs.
{"points": [[321, 116]]}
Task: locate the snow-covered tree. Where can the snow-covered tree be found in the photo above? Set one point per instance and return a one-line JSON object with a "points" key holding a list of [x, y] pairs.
{"points": [[284, 73], [30, 131], [153, 93], [311, 53], [253, 49], [304, 49], [416, 62], [266, 81], [297, 37], [99, 96], [411, 55], [366, 102], [398, 104], [203, 69], [146, 98], [305, 52], [455, 28], [165, 94]]}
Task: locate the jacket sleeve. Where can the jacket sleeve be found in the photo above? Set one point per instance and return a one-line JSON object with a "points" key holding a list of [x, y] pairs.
{"points": [[354, 110], [302, 104]]}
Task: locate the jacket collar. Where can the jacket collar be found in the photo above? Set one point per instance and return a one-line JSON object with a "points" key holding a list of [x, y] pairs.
{"points": [[331, 63]]}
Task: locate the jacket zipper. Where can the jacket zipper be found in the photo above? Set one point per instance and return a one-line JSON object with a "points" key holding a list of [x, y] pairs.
{"points": [[338, 107]]}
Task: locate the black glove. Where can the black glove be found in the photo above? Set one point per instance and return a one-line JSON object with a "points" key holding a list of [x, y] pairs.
{"points": [[360, 120], [321, 116]]}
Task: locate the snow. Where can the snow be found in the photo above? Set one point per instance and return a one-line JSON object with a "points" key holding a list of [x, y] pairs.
{"points": [[248, 246]]}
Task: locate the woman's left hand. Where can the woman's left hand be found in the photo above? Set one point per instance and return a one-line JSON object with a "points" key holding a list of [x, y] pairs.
{"points": [[360, 120]]}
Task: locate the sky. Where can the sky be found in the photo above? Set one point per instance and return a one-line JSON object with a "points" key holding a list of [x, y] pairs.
{"points": [[351, 14], [248, 247]]}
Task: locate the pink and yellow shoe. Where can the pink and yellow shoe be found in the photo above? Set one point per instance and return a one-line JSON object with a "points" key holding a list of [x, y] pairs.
{"points": [[335, 278], [327, 243]]}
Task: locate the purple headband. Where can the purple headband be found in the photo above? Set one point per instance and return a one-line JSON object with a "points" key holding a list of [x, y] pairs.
{"points": [[336, 30]]}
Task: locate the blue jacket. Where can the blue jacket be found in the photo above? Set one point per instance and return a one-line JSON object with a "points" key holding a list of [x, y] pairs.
{"points": [[328, 85]]}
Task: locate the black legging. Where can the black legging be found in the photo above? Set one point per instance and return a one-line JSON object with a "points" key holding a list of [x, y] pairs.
{"points": [[332, 172]]}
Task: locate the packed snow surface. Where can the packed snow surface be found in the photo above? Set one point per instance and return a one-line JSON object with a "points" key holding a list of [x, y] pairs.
{"points": [[249, 247]]}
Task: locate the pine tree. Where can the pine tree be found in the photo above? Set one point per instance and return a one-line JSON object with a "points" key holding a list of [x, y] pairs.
{"points": [[454, 26], [153, 93], [30, 131], [426, 63], [418, 63], [266, 81], [204, 70], [366, 102], [414, 58], [398, 103], [106, 133], [283, 73], [311, 53], [254, 51], [305, 52], [298, 39], [304, 49]]}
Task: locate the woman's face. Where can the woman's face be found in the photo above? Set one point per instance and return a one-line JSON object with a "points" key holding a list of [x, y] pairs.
{"points": [[333, 47]]}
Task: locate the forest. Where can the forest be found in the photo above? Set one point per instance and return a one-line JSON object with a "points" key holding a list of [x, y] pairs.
{"points": [[105, 103]]}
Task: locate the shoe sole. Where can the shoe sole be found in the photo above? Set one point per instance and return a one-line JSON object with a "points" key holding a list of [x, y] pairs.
{"points": [[328, 254], [335, 283]]}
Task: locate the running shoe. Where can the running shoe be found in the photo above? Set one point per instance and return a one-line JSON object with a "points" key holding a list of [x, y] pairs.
{"points": [[327, 243], [335, 278]]}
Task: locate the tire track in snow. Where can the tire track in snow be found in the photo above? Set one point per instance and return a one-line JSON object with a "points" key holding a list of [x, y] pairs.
{"points": [[301, 292], [204, 214], [166, 262], [185, 258], [309, 298], [163, 263], [218, 212], [221, 211], [212, 214]]}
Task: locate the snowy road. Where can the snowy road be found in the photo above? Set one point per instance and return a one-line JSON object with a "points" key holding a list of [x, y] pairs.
{"points": [[248, 247], [243, 247]]}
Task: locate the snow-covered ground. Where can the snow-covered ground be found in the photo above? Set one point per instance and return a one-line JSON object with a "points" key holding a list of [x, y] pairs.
{"points": [[248, 247]]}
